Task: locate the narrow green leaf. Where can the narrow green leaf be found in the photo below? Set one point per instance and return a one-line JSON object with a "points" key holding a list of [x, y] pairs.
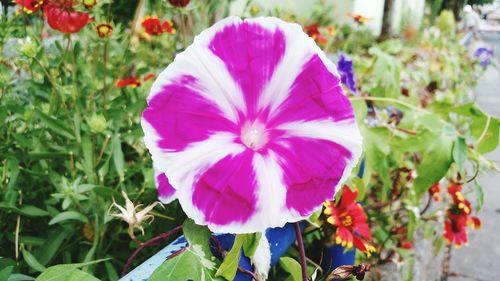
{"points": [[68, 215], [19, 277], [54, 240], [31, 260], [55, 125], [229, 266], [292, 267], [479, 194], [25, 210], [118, 159]]}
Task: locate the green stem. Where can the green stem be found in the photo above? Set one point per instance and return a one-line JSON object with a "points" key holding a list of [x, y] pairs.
{"points": [[390, 100], [485, 130]]}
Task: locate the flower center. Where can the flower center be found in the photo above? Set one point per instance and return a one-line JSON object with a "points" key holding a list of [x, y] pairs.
{"points": [[254, 135], [347, 221]]}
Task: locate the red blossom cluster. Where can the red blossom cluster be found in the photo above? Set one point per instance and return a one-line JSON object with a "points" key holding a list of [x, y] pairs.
{"points": [[153, 26], [60, 14], [350, 221], [314, 32], [133, 81], [458, 217]]}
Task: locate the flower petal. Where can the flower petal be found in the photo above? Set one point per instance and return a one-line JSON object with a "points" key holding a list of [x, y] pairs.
{"points": [[166, 192]]}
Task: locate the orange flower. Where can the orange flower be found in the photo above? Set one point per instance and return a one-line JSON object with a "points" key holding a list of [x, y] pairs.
{"points": [[459, 200], [360, 19], [104, 30], [313, 31], [149, 76], [152, 25], [350, 220], [168, 27], [130, 81]]}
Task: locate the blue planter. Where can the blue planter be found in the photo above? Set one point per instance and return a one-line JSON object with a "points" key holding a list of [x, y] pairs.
{"points": [[280, 239]]}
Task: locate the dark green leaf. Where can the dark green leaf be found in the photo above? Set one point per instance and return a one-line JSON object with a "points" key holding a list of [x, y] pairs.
{"points": [[68, 215]]}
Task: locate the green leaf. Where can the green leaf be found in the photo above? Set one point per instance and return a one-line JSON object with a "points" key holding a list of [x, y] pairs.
{"points": [[197, 235], [376, 146], [229, 266], [55, 125], [25, 210], [31, 260], [19, 277], [68, 272], [479, 194], [250, 243], [460, 152], [436, 161], [68, 215], [6, 272], [194, 263], [292, 267], [118, 159], [53, 243]]}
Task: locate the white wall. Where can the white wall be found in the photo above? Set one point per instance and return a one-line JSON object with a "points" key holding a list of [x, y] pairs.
{"points": [[373, 9]]}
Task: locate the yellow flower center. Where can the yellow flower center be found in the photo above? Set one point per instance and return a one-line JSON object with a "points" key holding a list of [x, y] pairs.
{"points": [[347, 221]]}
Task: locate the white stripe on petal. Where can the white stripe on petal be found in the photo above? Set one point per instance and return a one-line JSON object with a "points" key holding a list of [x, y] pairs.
{"points": [[345, 132], [210, 71], [299, 50]]}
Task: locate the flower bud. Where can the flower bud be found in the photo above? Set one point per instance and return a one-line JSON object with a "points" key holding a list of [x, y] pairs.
{"points": [[97, 123]]}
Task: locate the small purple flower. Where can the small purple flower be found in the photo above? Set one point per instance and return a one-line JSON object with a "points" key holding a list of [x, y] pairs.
{"points": [[483, 55], [344, 66]]}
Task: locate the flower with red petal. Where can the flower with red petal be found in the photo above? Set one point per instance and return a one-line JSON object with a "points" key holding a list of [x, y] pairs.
{"points": [[435, 191], [179, 3], [474, 223], [89, 4], [130, 81], [463, 205], [104, 30], [168, 27], [313, 31], [455, 229], [29, 6], [148, 76], [152, 25], [62, 17], [360, 19], [350, 219]]}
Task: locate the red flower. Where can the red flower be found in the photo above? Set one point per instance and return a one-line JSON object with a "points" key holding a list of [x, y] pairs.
{"points": [[474, 222], [463, 205], [29, 6], [401, 233], [455, 229], [313, 31], [358, 18], [152, 25], [62, 17], [350, 220], [89, 4], [168, 27], [130, 81], [179, 3], [149, 76], [434, 191], [104, 30]]}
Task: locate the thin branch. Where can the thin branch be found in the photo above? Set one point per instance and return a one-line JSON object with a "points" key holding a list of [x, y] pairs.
{"points": [[298, 235], [152, 242]]}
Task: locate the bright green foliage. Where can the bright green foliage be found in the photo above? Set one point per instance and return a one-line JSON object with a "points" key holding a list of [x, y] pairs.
{"points": [[194, 263], [446, 22], [292, 267]]}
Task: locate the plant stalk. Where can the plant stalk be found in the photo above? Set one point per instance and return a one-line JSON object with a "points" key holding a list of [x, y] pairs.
{"points": [[302, 253]]}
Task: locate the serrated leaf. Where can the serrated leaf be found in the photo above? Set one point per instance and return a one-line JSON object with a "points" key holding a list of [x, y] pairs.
{"points": [[292, 267]]}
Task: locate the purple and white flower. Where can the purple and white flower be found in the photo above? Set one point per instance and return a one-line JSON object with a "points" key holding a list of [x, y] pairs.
{"points": [[251, 126]]}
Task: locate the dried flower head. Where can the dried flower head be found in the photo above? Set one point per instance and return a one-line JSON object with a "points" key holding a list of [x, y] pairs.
{"points": [[133, 215]]}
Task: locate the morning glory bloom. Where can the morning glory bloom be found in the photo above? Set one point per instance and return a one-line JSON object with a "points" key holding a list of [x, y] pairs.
{"points": [[251, 126], [484, 56], [344, 65]]}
